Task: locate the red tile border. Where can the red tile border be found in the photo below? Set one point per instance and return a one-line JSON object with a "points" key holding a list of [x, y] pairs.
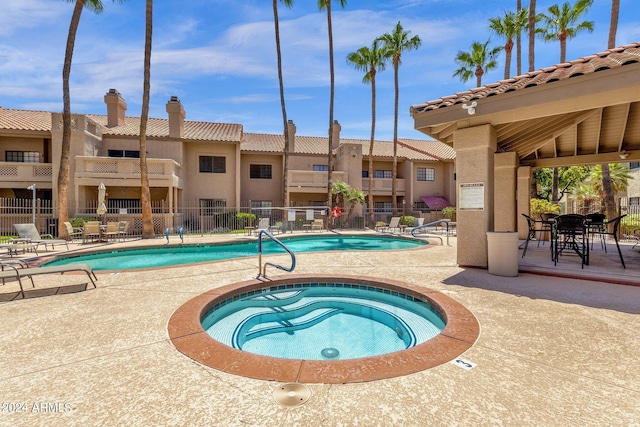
{"points": [[188, 336]]}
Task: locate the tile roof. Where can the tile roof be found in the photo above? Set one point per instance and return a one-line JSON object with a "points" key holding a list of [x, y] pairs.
{"points": [[407, 148], [25, 120], [609, 59]]}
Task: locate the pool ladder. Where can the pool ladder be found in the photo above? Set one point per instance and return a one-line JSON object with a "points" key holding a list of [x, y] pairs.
{"points": [[440, 221], [262, 269]]}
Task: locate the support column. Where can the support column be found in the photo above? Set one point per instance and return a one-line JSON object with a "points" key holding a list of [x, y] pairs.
{"points": [[524, 196], [475, 148], [504, 217]]}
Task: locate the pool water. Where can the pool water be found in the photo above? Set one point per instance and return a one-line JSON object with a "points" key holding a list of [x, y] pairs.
{"points": [[126, 259], [322, 321]]}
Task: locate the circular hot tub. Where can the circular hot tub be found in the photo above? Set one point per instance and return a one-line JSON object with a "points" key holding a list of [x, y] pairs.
{"points": [[265, 329]]}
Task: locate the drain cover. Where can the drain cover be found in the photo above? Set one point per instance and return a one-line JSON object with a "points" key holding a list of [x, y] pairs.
{"points": [[292, 394]]}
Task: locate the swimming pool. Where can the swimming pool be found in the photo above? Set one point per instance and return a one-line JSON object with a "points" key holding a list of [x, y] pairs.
{"points": [[322, 320], [127, 259]]}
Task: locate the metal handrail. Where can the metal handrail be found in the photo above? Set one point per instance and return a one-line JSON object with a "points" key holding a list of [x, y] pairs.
{"points": [[282, 245], [446, 221]]}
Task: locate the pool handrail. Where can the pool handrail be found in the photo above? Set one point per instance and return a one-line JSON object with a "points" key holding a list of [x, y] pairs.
{"points": [[262, 271], [440, 221]]}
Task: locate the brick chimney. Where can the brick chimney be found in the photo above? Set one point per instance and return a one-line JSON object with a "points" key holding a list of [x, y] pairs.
{"points": [[336, 134], [176, 118], [115, 108], [291, 130]]}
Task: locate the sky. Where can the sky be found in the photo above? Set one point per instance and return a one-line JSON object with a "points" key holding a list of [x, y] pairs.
{"points": [[219, 57]]}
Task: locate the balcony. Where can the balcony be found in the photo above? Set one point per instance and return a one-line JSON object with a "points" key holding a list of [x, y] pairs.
{"points": [[311, 181], [90, 171], [383, 187], [18, 174]]}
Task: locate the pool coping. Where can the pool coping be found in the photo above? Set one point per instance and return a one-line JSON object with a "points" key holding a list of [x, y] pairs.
{"points": [[187, 335]]}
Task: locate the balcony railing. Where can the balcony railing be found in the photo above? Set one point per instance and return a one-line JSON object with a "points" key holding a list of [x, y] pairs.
{"points": [[309, 180], [123, 168], [26, 172], [383, 186]]}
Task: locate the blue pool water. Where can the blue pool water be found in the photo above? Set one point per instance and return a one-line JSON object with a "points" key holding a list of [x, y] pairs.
{"points": [[127, 259], [322, 321]]}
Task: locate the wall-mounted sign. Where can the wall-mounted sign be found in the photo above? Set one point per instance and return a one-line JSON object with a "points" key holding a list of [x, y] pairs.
{"points": [[471, 196]]}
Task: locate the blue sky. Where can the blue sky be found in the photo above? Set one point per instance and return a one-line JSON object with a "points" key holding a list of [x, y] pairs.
{"points": [[218, 57]]}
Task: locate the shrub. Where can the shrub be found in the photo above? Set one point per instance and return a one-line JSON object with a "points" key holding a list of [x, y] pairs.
{"points": [[449, 213], [407, 220], [78, 221], [539, 206]]}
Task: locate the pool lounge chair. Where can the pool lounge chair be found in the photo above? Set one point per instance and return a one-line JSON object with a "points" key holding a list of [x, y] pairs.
{"points": [[18, 272], [72, 231], [29, 233], [394, 223], [317, 224]]}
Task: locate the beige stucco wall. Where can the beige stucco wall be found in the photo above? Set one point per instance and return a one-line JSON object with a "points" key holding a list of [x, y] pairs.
{"points": [[441, 186], [261, 189], [305, 162], [35, 144], [209, 185], [505, 185]]}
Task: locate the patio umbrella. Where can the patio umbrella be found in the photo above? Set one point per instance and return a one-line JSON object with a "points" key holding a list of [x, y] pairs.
{"points": [[102, 192]]}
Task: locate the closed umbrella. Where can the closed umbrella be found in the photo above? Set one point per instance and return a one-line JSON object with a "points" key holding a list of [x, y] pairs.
{"points": [[102, 192]]}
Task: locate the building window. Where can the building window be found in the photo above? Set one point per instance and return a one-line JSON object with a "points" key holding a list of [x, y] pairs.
{"points": [[213, 164], [634, 165], [320, 168], [426, 174], [134, 154], [260, 171], [365, 174], [261, 207], [382, 174], [22, 156], [382, 206], [634, 201], [211, 206]]}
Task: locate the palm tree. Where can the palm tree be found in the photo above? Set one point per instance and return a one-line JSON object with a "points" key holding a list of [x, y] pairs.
{"points": [[145, 196], [395, 43], [510, 26], [519, 41], [607, 184], [532, 33], [65, 154], [561, 23], [322, 5], [620, 177], [478, 62], [370, 60], [285, 192]]}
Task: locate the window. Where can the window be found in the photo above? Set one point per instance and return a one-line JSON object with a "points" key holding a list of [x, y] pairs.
{"points": [[634, 165], [213, 164], [261, 207], [634, 201], [211, 206], [134, 154], [260, 171], [426, 174], [365, 174], [22, 156], [382, 174], [382, 206], [320, 168]]}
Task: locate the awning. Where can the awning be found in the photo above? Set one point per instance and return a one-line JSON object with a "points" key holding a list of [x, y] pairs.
{"points": [[435, 202]]}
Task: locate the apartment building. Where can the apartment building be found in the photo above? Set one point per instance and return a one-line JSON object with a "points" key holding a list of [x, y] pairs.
{"points": [[194, 163]]}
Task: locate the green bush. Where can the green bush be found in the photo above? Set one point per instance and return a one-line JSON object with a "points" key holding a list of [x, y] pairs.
{"points": [[78, 221], [245, 219], [407, 220], [449, 213], [539, 206]]}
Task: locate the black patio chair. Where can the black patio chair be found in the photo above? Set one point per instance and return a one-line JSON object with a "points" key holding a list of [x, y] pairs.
{"points": [[570, 232], [531, 234], [595, 225], [611, 229]]}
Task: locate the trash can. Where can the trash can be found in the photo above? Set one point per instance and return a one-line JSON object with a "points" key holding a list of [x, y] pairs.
{"points": [[502, 251]]}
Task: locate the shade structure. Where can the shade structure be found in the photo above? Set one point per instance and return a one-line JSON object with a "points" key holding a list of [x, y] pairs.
{"points": [[102, 193], [435, 202]]}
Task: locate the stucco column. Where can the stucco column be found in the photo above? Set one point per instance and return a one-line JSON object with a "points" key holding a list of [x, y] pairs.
{"points": [[475, 148], [524, 185], [505, 182]]}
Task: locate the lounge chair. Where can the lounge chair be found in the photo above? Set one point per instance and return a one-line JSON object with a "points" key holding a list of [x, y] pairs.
{"points": [[263, 224], [417, 223], [317, 224], [29, 233], [72, 231], [91, 231], [18, 272], [394, 223]]}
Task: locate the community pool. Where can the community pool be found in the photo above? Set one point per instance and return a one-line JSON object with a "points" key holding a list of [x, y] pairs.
{"points": [[165, 256]]}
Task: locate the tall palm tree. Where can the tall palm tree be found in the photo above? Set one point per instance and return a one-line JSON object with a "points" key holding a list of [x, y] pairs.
{"points": [[478, 62], [396, 42], [370, 60], [285, 190], [532, 33], [561, 23], [519, 41], [510, 26], [607, 181], [322, 5], [63, 173], [145, 196]]}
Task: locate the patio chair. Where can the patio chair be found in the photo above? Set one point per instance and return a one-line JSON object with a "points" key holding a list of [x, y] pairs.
{"points": [[19, 272], [531, 233], [317, 224], [112, 231], [29, 233], [72, 231], [123, 230], [394, 223], [417, 223], [263, 224], [570, 232], [91, 231], [610, 228], [595, 225]]}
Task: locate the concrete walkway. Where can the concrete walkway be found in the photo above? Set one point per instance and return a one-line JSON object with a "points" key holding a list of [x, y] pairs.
{"points": [[552, 351]]}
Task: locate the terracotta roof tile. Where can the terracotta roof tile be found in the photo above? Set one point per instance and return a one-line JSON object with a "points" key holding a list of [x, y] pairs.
{"points": [[25, 120], [612, 58]]}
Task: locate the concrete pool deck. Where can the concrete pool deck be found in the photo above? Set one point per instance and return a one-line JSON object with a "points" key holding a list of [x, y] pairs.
{"points": [[551, 351]]}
